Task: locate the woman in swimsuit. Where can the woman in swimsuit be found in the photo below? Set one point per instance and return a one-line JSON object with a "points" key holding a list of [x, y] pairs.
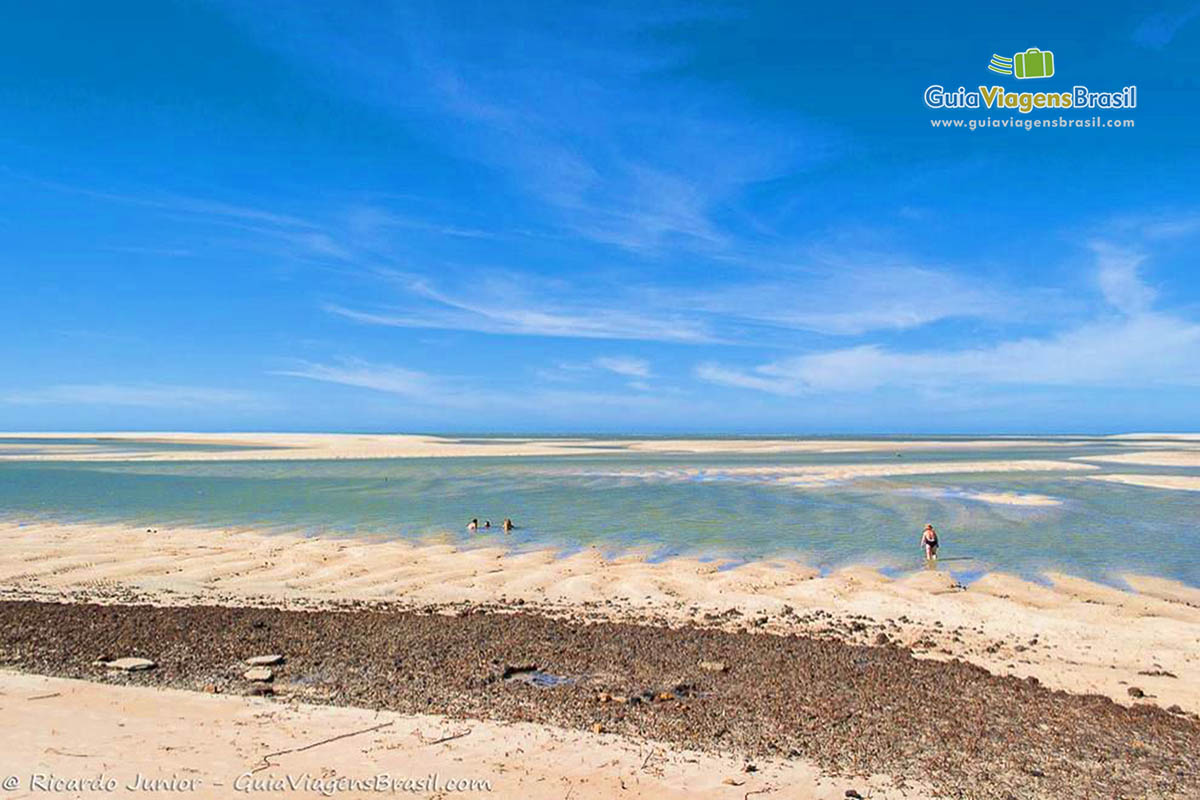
{"points": [[930, 540]]}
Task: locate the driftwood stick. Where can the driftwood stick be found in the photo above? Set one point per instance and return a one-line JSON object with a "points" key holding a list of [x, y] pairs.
{"points": [[451, 737], [266, 759]]}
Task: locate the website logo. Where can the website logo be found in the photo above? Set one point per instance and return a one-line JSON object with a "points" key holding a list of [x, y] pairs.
{"points": [[1033, 63], [1052, 98]]}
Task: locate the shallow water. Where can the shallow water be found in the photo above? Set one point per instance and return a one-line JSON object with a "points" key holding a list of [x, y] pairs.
{"points": [[716, 506]]}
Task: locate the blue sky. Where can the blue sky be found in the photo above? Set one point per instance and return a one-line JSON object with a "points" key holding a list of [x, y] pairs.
{"points": [[552, 217]]}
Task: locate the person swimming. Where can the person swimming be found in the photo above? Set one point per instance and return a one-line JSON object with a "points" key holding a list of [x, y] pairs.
{"points": [[929, 539], [473, 525], [508, 525], [487, 523]]}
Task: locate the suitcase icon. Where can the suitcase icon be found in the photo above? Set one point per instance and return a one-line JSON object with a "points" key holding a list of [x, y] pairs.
{"points": [[1033, 63]]}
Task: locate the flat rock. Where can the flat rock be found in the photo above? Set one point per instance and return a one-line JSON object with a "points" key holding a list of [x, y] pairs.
{"points": [[264, 661], [262, 674], [130, 664], [714, 666]]}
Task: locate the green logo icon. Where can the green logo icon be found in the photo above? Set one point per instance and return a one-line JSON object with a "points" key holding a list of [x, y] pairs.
{"points": [[1001, 64], [1033, 63]]}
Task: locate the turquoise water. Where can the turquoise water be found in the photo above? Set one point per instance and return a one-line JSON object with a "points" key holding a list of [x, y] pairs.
{"points": [[710, 506]]}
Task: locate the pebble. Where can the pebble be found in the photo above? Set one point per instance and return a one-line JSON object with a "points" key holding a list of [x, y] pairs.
{"points": [[714, 666], [264, 661], [263, 674], [1135, 692], [130, 664]]}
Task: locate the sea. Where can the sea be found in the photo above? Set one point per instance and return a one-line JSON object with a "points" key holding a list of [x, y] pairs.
{"points": [[729, 508]]}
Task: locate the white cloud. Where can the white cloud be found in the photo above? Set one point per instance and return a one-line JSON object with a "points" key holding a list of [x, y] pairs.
{"points": [[625, 365], [501, 303], [388, 378], [844, 296], [1140, 347], [133, 396], [1119, 280], [428, 391]]}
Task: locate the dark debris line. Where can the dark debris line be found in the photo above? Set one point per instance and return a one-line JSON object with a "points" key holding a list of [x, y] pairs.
{"points": [[851, 709]]}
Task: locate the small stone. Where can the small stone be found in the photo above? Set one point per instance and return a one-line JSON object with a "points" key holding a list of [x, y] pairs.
{"points": [[261, 674], [853, 793], [211, 688], [881, 638], [130, 664], [259, 690], [597, 728], [264, 661], [1135, 692], [664, 696], [732, 782], [714, 666], [1174, 709]]}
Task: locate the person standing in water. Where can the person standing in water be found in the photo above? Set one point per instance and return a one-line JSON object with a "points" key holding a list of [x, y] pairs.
{"points": [[929, 538], [508, 525], [473, 525]]}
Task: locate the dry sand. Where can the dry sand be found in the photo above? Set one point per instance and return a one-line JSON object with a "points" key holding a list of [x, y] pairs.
{"points": [[297, 446], [75, 729], [1071, 634]]}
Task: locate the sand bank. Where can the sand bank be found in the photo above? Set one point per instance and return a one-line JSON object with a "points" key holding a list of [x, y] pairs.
{"points": [[72, 728], [1150, 458], [823, 474], [1070, 634], [1025, 499], [1187, 483], [299, 446]]}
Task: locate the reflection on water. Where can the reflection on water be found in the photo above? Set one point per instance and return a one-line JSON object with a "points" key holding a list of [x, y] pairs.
{"points": [[725, 506]]}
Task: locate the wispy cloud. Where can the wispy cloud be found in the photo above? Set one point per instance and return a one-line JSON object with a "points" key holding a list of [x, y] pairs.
{"points": [[1119, 278], [573, 126], [858, 293], [1136, 347], [388, 378], [133, 396], [846, 295], [439, 392], [502, 304], [625, 365]]}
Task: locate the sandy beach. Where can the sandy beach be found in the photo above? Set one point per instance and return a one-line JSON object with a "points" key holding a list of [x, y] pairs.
{"points": [[435, 639], [990, 623], [63, 728]]}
